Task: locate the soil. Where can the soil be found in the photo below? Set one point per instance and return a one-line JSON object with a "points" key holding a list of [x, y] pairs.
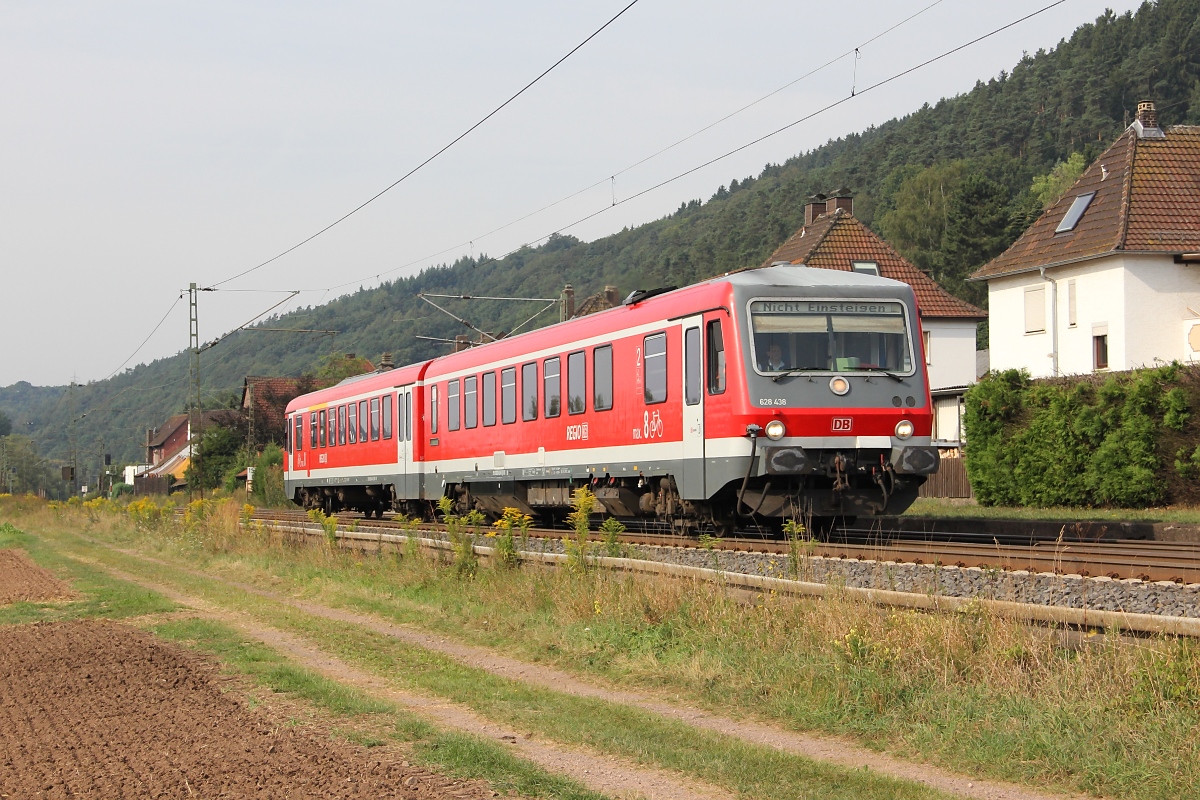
{"points": [[22, 581], [96, 709]]}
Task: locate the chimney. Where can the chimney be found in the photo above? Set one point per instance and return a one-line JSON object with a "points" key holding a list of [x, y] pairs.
{"points": [[350, 355], [1147, 115], [842, 199], [1146, 123], [386, 363], [568, 302], [461, 342], [611, 296], [814, 208]]}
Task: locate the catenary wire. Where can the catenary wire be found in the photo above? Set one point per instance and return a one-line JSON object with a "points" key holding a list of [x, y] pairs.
{"points": [[778, 131], [444, 148], [143, 344], [650, 157]]}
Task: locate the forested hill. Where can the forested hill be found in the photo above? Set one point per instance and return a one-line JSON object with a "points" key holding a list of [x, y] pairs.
{"points": [[950, 185]]}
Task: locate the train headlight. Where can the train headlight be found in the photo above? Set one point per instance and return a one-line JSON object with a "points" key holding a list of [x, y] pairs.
{"points": [[839, 385], [775, 430], [904, 429]]}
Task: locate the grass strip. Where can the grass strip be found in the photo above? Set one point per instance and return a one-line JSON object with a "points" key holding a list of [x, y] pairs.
{"points": [[750, 770], [101, 595], [460, 755]]}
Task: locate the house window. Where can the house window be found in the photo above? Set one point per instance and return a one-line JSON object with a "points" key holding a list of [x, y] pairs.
{"points": [[1035, 309], [926, 341], [1100, 351], [602, 378], [1075, 213], [1072, 317], [865, 267]]}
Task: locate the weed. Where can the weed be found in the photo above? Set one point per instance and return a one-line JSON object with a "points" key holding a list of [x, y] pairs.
{"points": [[579, 549], [612, 528]]}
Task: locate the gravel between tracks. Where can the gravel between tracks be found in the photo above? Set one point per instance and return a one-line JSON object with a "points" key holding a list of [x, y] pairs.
{"points": [[1131, 596]]}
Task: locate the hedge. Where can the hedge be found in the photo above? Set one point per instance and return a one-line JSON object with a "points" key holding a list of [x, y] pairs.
{"points": [[1125, 439]]}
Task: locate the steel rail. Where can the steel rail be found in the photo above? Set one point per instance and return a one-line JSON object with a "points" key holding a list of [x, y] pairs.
{"points": [[1023, 612]]}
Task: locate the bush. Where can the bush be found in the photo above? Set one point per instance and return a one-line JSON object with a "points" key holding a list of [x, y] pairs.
{"points": [[1123, 439]]}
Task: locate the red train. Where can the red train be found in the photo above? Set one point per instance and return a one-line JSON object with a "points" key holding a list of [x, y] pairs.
{"points": [[767, 394]]}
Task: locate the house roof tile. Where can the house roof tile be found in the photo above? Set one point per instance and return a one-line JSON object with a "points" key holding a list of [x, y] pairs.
{"points": [[1147, 200], [837, 239]]}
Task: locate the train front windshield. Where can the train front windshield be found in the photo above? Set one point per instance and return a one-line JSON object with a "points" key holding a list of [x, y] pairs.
{"points": [[830, 336]]}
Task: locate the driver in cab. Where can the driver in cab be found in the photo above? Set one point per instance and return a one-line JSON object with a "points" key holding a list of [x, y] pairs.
{"points": [[774, 360]]}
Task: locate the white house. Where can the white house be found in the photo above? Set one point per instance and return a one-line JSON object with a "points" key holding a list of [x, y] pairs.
{"points": [[833, 238], [1108, 278]]}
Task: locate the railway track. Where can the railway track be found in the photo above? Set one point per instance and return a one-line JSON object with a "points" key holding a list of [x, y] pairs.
{"points": [[1178, 562]]}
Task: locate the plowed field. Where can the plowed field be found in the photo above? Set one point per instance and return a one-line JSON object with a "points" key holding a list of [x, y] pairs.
{"points": [[96, 709], [23, 580]]}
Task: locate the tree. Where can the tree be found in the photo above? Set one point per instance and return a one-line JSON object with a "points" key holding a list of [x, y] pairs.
{"points": [[976, 232], [920, 213], [221, 449], [5, 424], [1051, 186], [339, 366]]}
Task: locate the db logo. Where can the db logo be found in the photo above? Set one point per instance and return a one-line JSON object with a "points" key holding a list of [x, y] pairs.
{"points": [[842, 424]]}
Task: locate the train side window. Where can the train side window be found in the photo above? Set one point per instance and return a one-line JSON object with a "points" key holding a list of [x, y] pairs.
{"points": [[691, 366], [716, 358], [341, 424], [453, 408], [407, 416], [508, 395], [388, 416], [529, 378], [322, 429], [602, 378], [313, 431], [298, 439], [552, 391], [332, 425], [352, 423], [362, 421], [433, 409], [287, 436], [577, 383], [471, 401], [654, 368], [375, 416], [489, 398]]}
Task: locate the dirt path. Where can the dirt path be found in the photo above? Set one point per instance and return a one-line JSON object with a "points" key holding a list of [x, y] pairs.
{"points": [[821, 748], [606, 774], [98, 709]]}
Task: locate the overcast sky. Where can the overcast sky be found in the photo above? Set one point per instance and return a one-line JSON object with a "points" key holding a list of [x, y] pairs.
{"points": [[147, 145]]}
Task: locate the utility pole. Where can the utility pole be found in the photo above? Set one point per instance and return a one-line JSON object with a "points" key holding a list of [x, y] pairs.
{"points": [[196, 419]]}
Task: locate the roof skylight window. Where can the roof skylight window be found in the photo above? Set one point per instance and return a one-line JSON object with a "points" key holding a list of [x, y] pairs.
{"points": [[1075, 213], [865, 267]]}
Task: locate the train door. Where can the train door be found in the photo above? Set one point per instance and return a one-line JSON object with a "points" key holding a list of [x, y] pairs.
{"points": [[692, 486], [404, 444]]}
